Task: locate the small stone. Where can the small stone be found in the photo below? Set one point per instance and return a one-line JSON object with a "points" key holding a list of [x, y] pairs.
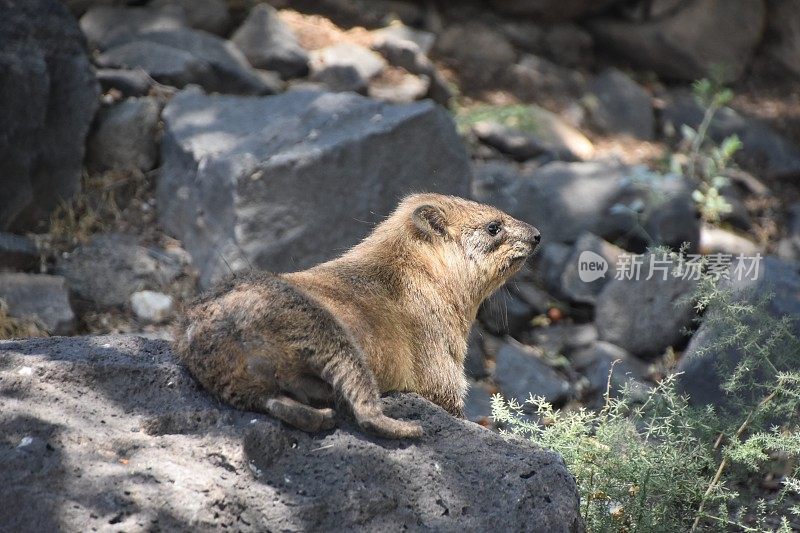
{"points": [[345, 67], [183, 56], [591, 265], [104, 26], [399, 88], [125, 136], [718, 240], [151, 306], [548, 134], [504, 313], [563, 339], [617, 104], [600, 359], [207, 15], [521, 373], [268, 43], [40, 297], [646, 316], [127, 82], [111, 267], [17, 252]]}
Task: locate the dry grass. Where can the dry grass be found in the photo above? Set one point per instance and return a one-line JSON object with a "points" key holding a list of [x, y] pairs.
{"points": [[14, 328]]}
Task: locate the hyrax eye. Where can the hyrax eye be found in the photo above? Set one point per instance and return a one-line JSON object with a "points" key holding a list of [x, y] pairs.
{"points": [[493, 228]]}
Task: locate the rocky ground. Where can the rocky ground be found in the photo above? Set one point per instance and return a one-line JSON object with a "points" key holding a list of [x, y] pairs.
{"points": [[152, 148]]}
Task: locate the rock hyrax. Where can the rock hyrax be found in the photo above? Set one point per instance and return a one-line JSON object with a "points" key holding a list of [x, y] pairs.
{"points": [[391, 314]]}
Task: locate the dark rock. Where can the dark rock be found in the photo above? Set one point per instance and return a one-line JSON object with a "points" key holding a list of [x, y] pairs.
{"points": [[108, 270], [49, 94], [763, 150], [125, 136], [111, 429], [567, 44], [398, 33], [783, 31], [690, 43], [549, 264], [128, 82], [504, 313], [581, 281], [520, 374], [563, 339], [714, 240], [475, 360], [550, 135], [105, 26], [400, 87], [284, 182], [17, 252], [534, 77], [789, 246], [537, 299], [479, 51], [207, 15], [367, 13], [183, 56], [553, 10], [345, 66], [546, 197], [707, 358], [268, 43], [617, 104], [39, 297], [478, 403], [646, 316], [599, 360], [407, 54]]}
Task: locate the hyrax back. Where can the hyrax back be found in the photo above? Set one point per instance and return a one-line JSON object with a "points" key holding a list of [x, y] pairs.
{"points": [[393, 313]]}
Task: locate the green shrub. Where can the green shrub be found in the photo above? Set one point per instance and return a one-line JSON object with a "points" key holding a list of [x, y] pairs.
{"points": [[659, 464]]}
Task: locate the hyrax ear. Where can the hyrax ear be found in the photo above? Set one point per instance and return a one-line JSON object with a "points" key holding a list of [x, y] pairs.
{"points": [[429, 221]]}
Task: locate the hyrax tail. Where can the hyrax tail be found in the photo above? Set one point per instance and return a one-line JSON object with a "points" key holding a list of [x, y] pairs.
{"points": [[330, 352]]}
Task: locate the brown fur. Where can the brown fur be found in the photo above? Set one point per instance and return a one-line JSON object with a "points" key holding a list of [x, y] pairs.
{"points": [[392, 314]]}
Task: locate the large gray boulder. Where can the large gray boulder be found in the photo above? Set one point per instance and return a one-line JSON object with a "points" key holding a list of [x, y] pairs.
{"points": [[691, 42], [49, 95], [285, 182], [109, 433]]}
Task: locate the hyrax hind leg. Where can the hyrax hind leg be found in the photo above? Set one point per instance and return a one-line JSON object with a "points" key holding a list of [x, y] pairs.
{"points": [[322, 344], [300, 415]]}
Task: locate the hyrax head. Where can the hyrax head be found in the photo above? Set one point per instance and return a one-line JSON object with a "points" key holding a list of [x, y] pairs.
{"points": [[482, 244]]}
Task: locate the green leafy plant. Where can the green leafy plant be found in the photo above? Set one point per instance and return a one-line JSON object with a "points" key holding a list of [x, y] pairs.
{"points": [[659, 464], [702, 160], [517, 116]]}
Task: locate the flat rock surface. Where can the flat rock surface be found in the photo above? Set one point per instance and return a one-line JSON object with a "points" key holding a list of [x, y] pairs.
{"points": [[109, 433]]}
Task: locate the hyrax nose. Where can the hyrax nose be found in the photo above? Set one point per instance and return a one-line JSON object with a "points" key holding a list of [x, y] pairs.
{"points": [[531, 234]]}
